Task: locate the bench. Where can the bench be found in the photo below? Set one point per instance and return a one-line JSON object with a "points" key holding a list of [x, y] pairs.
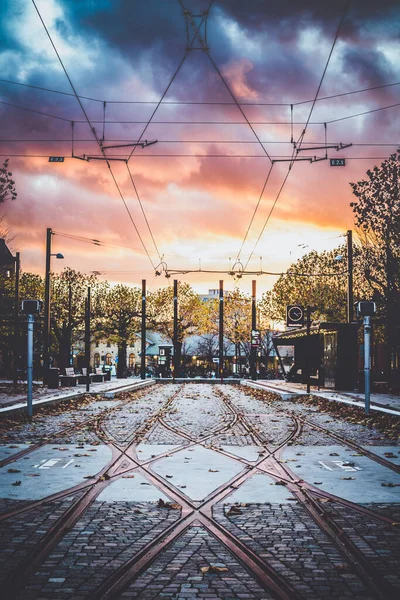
{"points": [[100, 376], [70, 379]]}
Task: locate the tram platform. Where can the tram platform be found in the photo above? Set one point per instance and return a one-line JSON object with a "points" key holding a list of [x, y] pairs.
{"points": [[381, 402]]}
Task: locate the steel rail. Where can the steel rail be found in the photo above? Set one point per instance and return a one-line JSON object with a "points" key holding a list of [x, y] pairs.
{"points": [[343, 440], [199, 511]]}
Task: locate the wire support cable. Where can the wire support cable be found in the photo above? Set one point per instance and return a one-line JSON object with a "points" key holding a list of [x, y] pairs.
{"points": [[298, 145], [143, 212], [207, 52], [94, 132], [190, 102], [167, 88]]}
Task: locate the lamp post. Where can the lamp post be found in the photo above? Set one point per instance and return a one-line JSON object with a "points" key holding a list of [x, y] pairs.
{"points": [[16, 319], [46, 328]]}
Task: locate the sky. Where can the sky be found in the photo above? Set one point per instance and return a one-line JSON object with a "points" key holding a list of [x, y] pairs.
{"points": [[225, 91]]}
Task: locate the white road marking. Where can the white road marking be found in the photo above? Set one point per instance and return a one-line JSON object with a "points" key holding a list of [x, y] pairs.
{"points": [[68, 463], [325, 466]]}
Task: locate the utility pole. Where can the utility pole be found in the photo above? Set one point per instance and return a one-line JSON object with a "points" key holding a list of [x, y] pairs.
{"points": [[46, 324], [253, 349], [16, 319], [175, 365], [349, 276], [143, 348], [30, 319], [367, 362], [221, 330], [87, 339], [308, 362]]}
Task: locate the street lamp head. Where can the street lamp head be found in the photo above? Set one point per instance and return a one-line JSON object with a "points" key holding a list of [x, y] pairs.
{"points": [[59, 255], [338, 258]]}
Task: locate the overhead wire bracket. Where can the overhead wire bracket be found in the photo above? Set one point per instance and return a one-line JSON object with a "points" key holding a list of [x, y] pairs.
{"points": [[143, 144]]}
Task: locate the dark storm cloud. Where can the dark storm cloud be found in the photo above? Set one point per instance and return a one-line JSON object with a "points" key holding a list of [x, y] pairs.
{"points": [[130, 25]]}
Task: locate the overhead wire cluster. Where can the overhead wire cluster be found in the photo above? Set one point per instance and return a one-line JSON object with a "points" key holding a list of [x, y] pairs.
{"points": [[196, 25]]}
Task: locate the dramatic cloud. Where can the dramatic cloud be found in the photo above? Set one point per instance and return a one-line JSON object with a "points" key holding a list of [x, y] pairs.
{"points": [[200, 183]]}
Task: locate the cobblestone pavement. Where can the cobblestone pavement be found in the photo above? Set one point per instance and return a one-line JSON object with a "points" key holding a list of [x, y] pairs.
{"points": [[211, 470], [178, 573], [288, 538], [104, 538]]}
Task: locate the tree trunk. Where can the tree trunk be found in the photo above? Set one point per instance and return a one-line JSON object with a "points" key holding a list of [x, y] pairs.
{"points": [[178, 358], [65, 348], [121, 366]]}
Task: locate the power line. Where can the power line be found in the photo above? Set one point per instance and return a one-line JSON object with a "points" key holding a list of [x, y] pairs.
{"points": [[247, 156], [144, 214], [68, 140], [299, 142], [249, 122], [168, 87], [94, 133], [200, 103]]}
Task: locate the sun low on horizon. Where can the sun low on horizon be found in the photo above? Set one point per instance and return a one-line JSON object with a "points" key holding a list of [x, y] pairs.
{"points": [[190, 136]]}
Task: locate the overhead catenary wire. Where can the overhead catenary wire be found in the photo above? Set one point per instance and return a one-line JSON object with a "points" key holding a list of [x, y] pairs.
{"points": [[94, 133], [207, 52], [205, 103], [170, 122], [166, 89], [299, 142]]}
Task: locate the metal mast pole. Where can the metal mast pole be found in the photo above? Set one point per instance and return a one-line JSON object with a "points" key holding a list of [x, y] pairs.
{"points": [[143, 348], [308, 357], [30, 319], [46, 324], [16, 319], [87, 340], [221, 329], [175, 340], [367, 362], [349, 276], [253, 349]]}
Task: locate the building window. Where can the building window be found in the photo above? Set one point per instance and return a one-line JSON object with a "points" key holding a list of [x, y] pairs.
{"points": [[97, 360], [97, 344], [108, 345], [131, 361], [108, 359]]}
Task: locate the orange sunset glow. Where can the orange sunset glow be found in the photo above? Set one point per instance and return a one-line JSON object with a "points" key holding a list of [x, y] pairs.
{"points": [[225, 91]]}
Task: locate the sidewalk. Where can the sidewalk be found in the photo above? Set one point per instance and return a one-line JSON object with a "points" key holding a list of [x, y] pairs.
{"points": [[383, 402], [43, 396]]}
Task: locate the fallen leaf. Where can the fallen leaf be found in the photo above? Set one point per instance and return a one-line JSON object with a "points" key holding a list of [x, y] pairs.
{"points": [[343, 568], [13, 471], [128, 476], [16, 483], [347, 478], [213, 471], [234, 511], [391, 485], [33, 475], [213, 569]]}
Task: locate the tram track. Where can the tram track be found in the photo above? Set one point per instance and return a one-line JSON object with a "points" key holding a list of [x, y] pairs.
{"points": [[196, 512]]}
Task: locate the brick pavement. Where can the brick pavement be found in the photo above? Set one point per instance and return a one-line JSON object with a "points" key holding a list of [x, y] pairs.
{"points": [[282, 533], [378, 541], [290, 541], [20, 535], [103, 539], [177, 573]]}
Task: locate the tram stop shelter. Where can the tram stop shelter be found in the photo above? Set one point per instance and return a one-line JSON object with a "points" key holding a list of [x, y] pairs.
{"points": [[329, 353]]}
